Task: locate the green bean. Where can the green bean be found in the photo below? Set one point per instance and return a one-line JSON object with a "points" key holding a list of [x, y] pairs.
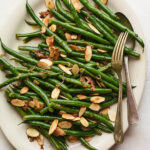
{"points": [[22, 70], [67, 131], [31, 23], [86, 114], [59, 16], [109, 103], [44, 110], [51, 138], [104, 128], [80, 31], [64, 12], [111, 21], [18, 55], [20, 77], [39, 91], [9, 66], [31, 111], [18, 96], [106, 9], [86, 144], [61, 33], [48, 31], [32, 34], [103, 69], [105, 47], [28, 48], [20, 111]]}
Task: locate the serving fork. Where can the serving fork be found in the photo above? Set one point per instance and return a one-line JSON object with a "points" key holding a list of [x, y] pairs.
{"points": [[117, 63]]}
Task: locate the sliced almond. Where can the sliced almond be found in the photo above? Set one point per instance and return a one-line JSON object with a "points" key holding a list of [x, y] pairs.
{"points": [[54, 53], [45, 63], [50, 41], [95, 107], [53, 127], [97, 99], [84, 122], [74, 37], [81, 97], [65, 69], [102, 84], [40, 140], [104, 111], [93, 28], [65, 124], [77, 5], [88, 52], [55, 93], [88, 138], [112, 115], [36, 82], [104, 1], [50, 4], [31, 132], [24, 90], [82, 110], [59, 132], [68, 36], [63, 55], [45, 21], [72, 139], [18, 103], [76, 119], [101, 50], [53, 27], [31, 104], [68, 116], [77, 48], [61, 112], [75, 69]]}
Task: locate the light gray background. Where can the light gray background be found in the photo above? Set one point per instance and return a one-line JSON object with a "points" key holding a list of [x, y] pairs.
{"points": [[137, 137]]}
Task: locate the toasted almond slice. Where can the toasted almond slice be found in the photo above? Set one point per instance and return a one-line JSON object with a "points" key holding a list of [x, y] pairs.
{"points": [[97, 99], [53, 27], [77, 5], [61, 112], [68, 116], [84, 122], [112, 115], [36, 82], [104, 111], [24, 90], [102, 84], [88, 138], [18, 103], [50, 4], [65, 124], [40, 140], [88, 53], [65, 69], [55, 93], [104, 1], [102, 51], [45, 63], [74, 37], [63, 56], [93, 28], [31, 104], [77, 48], [45, 21], [31, 132], [95, 107], [50, 41], [68, 36], [72, 139], [81, 97], [82, 110], [76, 119], [75, 69], [59, 132], [53, 127]]}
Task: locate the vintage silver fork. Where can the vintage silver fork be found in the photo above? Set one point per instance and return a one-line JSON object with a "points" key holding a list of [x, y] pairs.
{"points": [[117, 63]]}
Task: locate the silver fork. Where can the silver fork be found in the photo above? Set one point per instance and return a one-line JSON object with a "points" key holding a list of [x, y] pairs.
{"points": [[117, 63]]}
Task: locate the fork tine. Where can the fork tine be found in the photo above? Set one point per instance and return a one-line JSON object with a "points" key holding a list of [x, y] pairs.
{"points": [[122, 45], [116, 46]]}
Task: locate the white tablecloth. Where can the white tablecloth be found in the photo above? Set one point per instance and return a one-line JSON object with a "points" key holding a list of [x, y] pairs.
{"points": [[137, 137]]}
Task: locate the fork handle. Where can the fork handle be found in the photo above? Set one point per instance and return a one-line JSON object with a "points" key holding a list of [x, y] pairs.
{"points": [[133, 116], [118, 131]]}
